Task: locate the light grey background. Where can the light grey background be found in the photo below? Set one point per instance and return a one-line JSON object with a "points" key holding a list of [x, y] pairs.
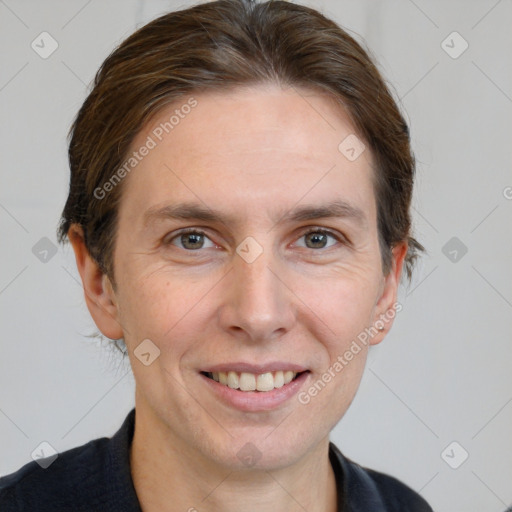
{"points": [[444, 372]]}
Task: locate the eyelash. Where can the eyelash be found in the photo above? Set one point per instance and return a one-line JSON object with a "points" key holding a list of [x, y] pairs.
{"points": [[198, 231]]}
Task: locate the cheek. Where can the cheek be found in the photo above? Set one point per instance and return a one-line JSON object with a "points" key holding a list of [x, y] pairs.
{"points": [[341, 309], [329, 394], [163, 306], [149, 305], [160, 309], [342, 302]]}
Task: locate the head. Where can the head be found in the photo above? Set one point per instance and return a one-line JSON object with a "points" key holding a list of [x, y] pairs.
{"points": [[268, 133]]}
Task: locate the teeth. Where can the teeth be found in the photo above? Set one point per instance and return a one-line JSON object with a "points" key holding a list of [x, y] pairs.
{"points": [[251, 382], [233, 380], [288, 376], [265, 382], [247, 382], [278, 380]]}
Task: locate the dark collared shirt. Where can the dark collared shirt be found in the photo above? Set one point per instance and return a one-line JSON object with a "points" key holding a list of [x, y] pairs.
{"points": [[96, 477]]}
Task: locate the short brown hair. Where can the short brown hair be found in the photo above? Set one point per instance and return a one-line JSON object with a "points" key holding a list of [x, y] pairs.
{"points": [[229, 43]]}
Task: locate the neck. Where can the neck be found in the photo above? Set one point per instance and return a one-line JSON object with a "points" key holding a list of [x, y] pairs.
{"points": [[169, 477]]}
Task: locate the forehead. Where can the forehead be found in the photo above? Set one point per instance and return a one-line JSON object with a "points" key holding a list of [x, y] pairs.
{"points": [[260, 146]]}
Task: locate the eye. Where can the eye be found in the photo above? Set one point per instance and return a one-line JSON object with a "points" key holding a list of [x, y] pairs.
{"points": [[190, 240], [193, 239], [318, 238]]}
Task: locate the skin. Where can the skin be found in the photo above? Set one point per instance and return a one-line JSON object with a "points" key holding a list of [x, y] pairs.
{"points": [[253, 153]]}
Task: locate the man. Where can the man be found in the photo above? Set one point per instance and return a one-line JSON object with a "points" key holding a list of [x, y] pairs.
{"points": [[239, 211]]}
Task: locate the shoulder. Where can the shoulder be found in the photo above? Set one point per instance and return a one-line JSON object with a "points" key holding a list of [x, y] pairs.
{"points": [[365, 489], [92, 477], [396, 495], [32, 485]]}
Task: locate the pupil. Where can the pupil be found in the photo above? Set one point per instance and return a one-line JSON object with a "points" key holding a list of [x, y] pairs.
{"points": [[315, 238], [192, 239], [195, 239]]}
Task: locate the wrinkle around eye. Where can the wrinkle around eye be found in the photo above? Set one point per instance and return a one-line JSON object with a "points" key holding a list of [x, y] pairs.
{"points": [[324, 232], [195, 232], [340, 241]]}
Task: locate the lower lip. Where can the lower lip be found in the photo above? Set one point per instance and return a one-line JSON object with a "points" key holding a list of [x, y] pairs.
{"points": [[255, 401]]}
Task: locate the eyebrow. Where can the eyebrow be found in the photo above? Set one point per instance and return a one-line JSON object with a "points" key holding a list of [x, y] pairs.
{"points": [[197, 211]]}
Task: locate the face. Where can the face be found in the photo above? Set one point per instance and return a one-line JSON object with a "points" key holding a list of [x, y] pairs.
{"points": [[247, 243]]}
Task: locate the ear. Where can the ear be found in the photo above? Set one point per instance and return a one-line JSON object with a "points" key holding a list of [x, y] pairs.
{"points": [[385, 308], [98, 290]]}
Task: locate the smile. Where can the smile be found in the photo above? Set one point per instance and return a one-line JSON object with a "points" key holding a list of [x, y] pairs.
{"points": [[245, 381]]}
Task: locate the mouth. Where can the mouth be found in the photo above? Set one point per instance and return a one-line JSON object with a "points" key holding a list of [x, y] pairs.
{"points": [[261, 382]]}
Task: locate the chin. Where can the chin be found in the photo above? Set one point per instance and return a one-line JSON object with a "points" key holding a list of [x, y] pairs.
{"points": [[263, 449]]}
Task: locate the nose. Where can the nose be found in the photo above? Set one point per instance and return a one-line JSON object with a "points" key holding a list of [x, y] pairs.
{"points": [[258, 305]]}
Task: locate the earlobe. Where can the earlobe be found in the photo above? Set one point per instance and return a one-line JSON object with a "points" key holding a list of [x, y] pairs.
{"points": [[385, 309], [99, 294]]}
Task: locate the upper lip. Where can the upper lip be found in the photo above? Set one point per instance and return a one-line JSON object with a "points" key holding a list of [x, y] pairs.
{"points": [[257, 369]]}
